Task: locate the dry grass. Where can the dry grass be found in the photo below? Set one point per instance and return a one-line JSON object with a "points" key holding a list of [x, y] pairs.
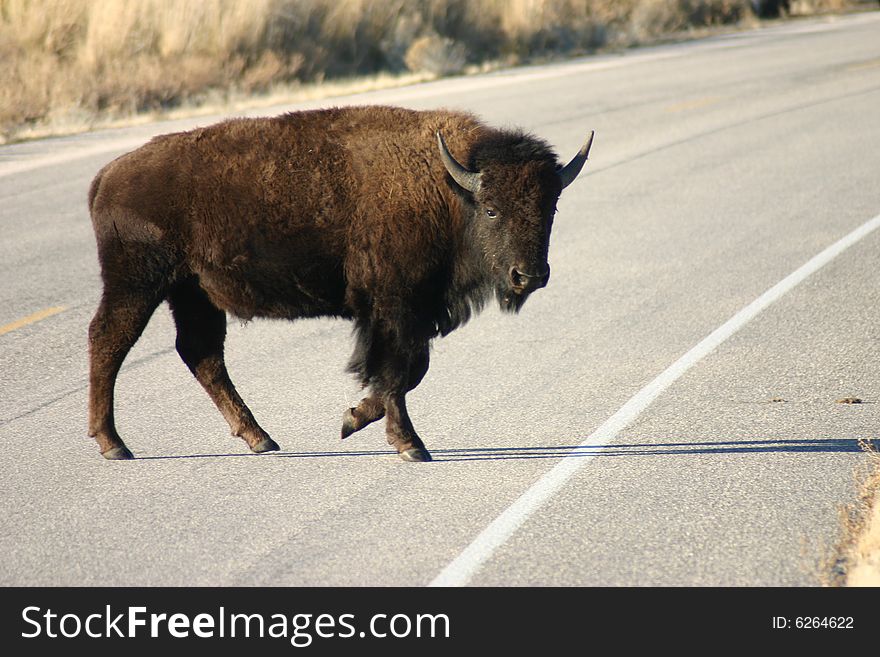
{"points": [[862, 551], [855, 559], [807, 7], [76, 61]]}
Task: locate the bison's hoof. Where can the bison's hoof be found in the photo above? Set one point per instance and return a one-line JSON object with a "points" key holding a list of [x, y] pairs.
{"points": [[419, 454], [349, 424], [120, 453], [265, 445]]}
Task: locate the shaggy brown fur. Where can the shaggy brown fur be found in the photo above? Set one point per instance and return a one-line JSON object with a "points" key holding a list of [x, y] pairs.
{"points": [[341, 212]]}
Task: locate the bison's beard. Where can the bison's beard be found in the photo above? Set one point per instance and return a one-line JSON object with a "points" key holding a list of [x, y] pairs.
{"points": [[510, 301]]}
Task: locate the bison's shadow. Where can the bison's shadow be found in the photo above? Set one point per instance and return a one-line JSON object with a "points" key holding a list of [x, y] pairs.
{"points": [[649, 449], [839, 445]]}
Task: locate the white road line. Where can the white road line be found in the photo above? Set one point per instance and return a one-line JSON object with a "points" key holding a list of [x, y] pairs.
{"points": [[460, 571]]}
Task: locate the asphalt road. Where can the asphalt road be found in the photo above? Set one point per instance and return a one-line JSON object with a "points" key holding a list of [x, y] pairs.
{"points": [[720, 167]]}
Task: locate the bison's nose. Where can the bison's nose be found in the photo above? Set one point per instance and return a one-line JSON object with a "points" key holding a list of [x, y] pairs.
{"points": [[523, 282]]}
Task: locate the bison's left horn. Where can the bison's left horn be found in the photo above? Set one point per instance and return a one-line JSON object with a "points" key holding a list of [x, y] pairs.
{"points": [[469, 180], [570, 171]]}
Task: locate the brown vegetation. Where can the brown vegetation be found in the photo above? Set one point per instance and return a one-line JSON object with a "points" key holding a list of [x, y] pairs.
{"points": [[860, 551], [76, 60]]}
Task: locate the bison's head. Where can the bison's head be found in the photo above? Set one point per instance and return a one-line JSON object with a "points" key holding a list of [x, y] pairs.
{"points": [[513, 183]]}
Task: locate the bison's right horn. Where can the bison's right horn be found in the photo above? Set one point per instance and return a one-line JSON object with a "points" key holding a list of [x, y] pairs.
{"points": [[469, 180], [570, 171]]}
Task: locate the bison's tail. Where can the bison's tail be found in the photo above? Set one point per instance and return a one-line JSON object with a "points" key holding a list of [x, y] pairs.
{"points": [[93, 189]]}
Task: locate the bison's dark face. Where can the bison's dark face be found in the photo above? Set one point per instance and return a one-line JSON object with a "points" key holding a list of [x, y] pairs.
{"points": [[514, 193], [513, 214]]}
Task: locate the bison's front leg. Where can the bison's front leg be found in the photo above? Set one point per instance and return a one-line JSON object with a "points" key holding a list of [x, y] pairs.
{"points": [[368, 411], [391, 366], [408, 368], [372, 407], [400, 431]]}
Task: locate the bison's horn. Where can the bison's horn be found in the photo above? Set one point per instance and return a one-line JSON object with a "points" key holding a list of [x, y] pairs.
{"points": [[468, 180], [570, 171]]}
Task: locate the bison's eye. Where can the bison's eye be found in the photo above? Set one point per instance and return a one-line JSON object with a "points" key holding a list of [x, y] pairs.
{"points": [[491, 213]]}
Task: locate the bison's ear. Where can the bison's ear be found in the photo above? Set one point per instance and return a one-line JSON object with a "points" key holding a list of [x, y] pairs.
{"points": [[570, 171], [468, 180]]}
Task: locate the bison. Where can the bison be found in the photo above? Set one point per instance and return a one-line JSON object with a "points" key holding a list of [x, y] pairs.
{"points": [[404, 222]]}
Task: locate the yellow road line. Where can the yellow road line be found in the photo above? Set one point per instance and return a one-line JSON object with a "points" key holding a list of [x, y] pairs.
{"points": [[30, 319], [860, 66], [696, 103]]}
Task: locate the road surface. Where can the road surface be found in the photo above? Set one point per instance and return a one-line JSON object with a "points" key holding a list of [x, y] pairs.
{"points": [[591, 440]]}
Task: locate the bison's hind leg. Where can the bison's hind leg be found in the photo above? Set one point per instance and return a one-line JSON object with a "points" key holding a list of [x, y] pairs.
{"points": [[201, 332], [116, 326]]}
